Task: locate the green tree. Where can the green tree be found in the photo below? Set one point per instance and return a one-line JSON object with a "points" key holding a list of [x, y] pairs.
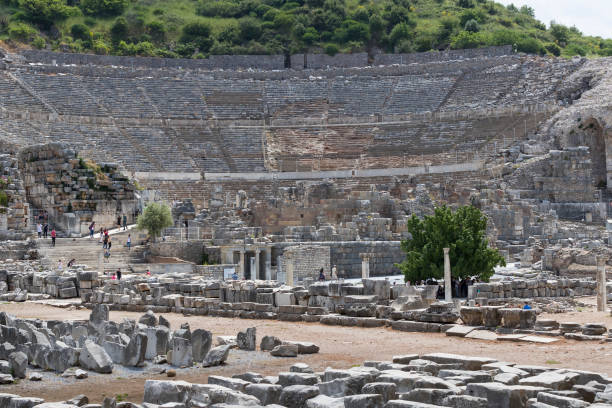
{"points": [[119, 30], [46, 12], [155, 218], [197, 34], [400, 32], [463, 231], [560, 32], [157, 30]]}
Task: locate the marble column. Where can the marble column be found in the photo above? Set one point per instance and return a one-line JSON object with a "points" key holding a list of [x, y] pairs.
{"points": [[448, 285], [257, 252], [268, 263], [242, 264], [602, 295]]}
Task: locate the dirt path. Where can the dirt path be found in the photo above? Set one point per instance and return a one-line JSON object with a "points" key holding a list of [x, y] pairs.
{"points": [[341, 347]]}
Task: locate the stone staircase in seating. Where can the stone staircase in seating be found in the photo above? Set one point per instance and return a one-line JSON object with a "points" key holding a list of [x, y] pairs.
{"points": [[89, 252]]}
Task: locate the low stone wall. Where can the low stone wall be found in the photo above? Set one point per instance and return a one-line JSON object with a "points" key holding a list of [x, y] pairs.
{"points": [[265, 62], [191, 251], [532, 288], [434, 56]]}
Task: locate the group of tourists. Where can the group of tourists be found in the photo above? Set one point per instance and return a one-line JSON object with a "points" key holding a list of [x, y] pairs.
{"points": [[107, 242], [334, 274], [43, 232]]}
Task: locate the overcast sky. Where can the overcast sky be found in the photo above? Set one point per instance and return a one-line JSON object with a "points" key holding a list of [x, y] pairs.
{"points": [[592, 17]]}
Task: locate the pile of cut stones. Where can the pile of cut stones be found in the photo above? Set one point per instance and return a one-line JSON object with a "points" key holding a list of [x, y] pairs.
{"points": [[72, 348]]}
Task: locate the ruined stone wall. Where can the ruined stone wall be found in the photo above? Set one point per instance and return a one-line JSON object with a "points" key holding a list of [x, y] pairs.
{"points": [[305, 261], [14, 208], [72, 192]]}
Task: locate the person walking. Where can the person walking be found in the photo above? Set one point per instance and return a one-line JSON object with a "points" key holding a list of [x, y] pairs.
{"points": [[39, 230], [92, 229], [118, 221], [60, 266], [118, 273], [105, 242], [334, 273], [45, 230], [129, 242], [53, 235], [124, 222], [321, 275], [109, 243]]}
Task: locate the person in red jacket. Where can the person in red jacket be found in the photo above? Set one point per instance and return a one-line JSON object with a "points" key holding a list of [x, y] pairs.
{"points": [[53, 235]]}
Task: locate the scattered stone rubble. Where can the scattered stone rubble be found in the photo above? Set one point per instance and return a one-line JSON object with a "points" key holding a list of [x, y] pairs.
{"points": [[415, 381], [98, 344]]}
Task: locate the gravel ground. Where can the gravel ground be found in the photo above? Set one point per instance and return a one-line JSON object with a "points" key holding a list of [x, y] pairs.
{"points": [[341, 347]]}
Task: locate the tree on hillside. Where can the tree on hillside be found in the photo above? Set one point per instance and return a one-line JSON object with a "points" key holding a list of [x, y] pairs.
{"points": [[463, 231], [154, 219]]}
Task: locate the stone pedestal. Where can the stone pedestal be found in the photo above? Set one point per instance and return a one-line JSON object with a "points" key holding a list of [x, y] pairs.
{"points": [[448, 286], [601, 285]]}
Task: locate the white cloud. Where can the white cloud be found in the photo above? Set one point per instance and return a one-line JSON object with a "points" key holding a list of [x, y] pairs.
{"points": [[592, 17]]}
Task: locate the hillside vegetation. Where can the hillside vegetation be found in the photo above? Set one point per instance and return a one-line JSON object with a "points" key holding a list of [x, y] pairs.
{"points": [[198, 28]]}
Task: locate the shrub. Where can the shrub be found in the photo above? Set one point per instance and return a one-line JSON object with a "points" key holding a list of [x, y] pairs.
{"points": [[472, 26], [553, 48], [559, 32], [198, 35], [39, 42], [103, 7], [3, 199], [530, 45], [331, 49], [100, 47], [250, 29], [575, 49], [119, 30], [21, 32], [400, 32], [157, 30], [221, 8], [466, 39], [79, 32]]}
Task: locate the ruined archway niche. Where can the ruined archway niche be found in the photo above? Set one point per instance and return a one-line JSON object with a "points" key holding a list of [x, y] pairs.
{"points": [[591, 133]]}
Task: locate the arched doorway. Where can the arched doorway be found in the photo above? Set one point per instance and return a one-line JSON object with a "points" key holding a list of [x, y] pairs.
{"points": [[591, 134]]}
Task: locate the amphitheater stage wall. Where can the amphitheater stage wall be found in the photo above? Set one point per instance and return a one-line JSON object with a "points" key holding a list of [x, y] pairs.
{"points": [[366, 173]]}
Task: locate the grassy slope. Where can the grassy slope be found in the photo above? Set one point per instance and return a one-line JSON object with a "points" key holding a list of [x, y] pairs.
{"points": [[427, 13]]}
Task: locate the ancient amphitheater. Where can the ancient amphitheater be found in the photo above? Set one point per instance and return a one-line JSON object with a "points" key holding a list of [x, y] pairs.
{"points": [[275, 168]]}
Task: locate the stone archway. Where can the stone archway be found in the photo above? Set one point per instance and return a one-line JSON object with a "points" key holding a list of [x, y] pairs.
{"points": [[590, 133]]}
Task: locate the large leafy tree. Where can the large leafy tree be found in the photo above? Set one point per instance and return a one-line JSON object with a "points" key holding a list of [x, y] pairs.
{"points": [[463, 231], [155, 218]]}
